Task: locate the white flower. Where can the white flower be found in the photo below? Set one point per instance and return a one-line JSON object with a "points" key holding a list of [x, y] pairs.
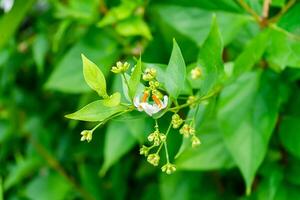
{"points": [[6, 5], [150, 109]]}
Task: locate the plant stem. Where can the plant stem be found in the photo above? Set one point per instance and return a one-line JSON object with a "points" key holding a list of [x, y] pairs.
{"points": [[284, 9], [266, 6], [127, 84], [54, 163], [244, 5], [176, 108], [168, 130]]}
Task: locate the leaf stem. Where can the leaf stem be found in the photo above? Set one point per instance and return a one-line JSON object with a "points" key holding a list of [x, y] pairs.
{"points": [[54, 163], [127, 84], [244, 5], [284, 9], [266, 6]]}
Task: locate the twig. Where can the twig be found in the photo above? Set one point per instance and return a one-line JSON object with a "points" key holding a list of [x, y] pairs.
{"points": [[266, 6], [57, 167], [284, 9], [244, 5]]}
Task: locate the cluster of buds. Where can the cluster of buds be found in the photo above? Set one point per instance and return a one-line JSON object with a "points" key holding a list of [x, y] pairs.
{"points": [[149, 74], [157, 138], [168, 168], [153, 159], [144, 150], [187, 131], [191, 101], [86, 135], [196, 73], [120, 67], [176, 121]]}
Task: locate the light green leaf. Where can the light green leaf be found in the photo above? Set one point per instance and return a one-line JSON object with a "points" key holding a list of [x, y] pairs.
{"points": [[175, 72], [247, 113], [134, 26], [96, 112], [118, 141], [94, 77], [210, 60], [289, 134], [39, 50], [283, 51], [252, 53], [135, 78], [10, 21], [67, 76], [113, 100]]}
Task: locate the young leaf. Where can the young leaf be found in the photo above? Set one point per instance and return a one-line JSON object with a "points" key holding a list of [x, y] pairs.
{"points": [[175, 72], [135, 78], [210, 59], [96, 112], [113, 100], [94, 77], [247, 114]]}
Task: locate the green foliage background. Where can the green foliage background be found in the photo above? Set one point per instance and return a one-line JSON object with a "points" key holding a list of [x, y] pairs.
{"points": [[250, 131]]}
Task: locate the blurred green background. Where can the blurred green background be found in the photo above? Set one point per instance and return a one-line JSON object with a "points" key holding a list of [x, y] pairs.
{"points": [[41, 156]]}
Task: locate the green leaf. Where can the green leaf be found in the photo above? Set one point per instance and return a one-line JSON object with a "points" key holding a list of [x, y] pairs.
{"points": [[99, 46], [10, 21], [96, 112], [39, 50], [247, 113], [118, 141], [113, 100], [283, 51], [94, 77], [252, 53], [175, 72], [134, 26], [289, 134], [210, 59], [48, 186], [290, 20], [135, 78], [211, 154]]}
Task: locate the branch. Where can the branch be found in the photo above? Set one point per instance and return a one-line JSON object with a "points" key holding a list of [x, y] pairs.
{"points": [[266, 6], [54, 163], [284, 9], [244, 5]]}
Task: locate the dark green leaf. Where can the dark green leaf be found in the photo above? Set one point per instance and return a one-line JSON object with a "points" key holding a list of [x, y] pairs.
{"points": [[247, 113], [135, 78]]}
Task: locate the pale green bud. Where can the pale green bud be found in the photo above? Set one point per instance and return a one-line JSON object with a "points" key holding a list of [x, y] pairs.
{"points": [[144, 150], [168, 168], [196, 73], [195, 141], [120, 67], [86, 135], [176, 121], [149, 74], [153, 159]]}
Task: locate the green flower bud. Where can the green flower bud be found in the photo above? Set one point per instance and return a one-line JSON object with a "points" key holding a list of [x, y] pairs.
{"points": [[195, 141], [144, 150], [185, 130], [196, 73], [120, 67], [153, 159], [176, 121], [149, 74], [86, 135], [192, 101], [168, 168]]}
